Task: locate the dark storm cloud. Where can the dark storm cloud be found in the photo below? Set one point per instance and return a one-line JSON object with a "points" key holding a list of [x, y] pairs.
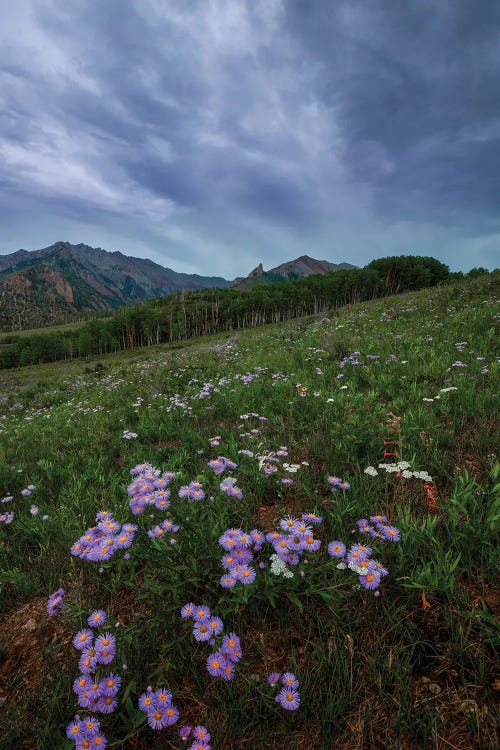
{"points": [[416, 86], [250, 131]]}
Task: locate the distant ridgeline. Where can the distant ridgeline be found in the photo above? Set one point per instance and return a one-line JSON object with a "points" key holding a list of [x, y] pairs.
{"points": [[186, 314]]}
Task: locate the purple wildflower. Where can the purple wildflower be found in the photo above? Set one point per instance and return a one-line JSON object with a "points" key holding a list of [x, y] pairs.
{"points": [[55, 602], [98, 617], [336, 549], [391, 533], [215, 664], [107, 704], [188, 610], [289, 680], [83, 639], [370, 580], [147, 700], [184, 732], [288, 699], [201, 733], [201, 630], [110, 685]]}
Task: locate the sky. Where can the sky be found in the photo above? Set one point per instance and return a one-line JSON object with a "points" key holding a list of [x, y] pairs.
{"points": [[211, 135]]}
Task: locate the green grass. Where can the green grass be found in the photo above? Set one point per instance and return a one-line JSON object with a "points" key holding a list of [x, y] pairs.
{"points": [[56, 328], [413, 668]]}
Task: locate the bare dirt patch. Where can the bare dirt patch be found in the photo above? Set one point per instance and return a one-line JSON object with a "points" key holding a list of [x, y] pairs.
{"points": [[25, 633]]}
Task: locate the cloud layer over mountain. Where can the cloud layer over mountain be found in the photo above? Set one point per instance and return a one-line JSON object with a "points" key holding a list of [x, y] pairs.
{"points": [[212, 135]]}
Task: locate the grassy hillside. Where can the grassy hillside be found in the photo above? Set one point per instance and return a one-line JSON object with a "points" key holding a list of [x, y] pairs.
{"points": [[179, 317], [307, 410]]}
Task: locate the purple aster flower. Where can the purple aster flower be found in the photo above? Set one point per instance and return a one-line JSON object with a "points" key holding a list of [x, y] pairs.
{"points": [[172, 713], [201, 733], [216, 663], [228, 561], [162, 716], [105, 655], [228, 671], [105, 641], [75, 729], [289, 680], [163, 697], [310, 544], [110, 685], [196, 494], [107, 704], [55, 602], [98, 617], [87, 661], [82, 683], [98, 742], [362, 548], [336, 549], [357, 553], [289, 523], [379, 568], [88, 700], [231, 647], [369, 581], [228, 581], [216, 626], [335, 481], [274, 678], [147, 701], [391, 533], [257, 538], [288, 699], [241, 555], [201, 612], [184, 732], [247, 574], [218, 465], [83, 640], [201, 630], [91, 726], [311, 518], [188, 611]]}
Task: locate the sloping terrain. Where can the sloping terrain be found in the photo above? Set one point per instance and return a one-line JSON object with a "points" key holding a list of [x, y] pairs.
{"points": [[92, 280], [375, 425]]}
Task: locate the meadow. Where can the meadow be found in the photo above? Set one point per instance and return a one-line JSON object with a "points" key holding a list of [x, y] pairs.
{"points": [[283, 537]]}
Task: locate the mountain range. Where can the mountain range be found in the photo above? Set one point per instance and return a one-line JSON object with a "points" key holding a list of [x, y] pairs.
{"points": [[65, 282]]}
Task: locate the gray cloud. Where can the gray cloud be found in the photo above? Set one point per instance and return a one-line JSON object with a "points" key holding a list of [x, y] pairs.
{"points": [[211, 136]]}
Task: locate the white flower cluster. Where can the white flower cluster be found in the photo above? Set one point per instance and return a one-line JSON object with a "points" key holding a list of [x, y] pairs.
{"points": [[441, 390], [403, 467], [291, 468], [279, 567]]}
